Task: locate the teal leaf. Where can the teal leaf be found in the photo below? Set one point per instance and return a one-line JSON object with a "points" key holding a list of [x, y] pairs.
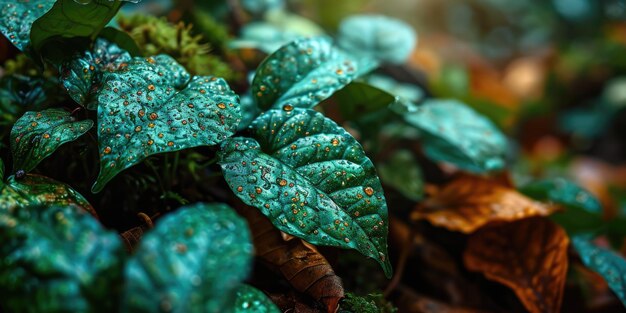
{"points": [[381, 37], [36, 135], [259, 7], [58, 259], [312, 179], [278, 28], [305, 72], [405, 92], [359, 99], [252, 300], [402, 172], [82, 75], [71, 18], [192, 261], [19, 93], [610, 265], [454, 133], [17, 17], [37, 190], [263, 36], [583, 211], [152, 106], [249, 110]]}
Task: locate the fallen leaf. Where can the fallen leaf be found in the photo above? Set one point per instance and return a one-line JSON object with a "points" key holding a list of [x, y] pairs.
{"points": [[528, 256], [300, 263], [469, 202]]}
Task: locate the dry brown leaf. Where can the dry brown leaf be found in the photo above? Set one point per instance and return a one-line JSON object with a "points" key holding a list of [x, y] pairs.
{"points": [[529, 256], [469, 202], [132, 237], [300, 263]]}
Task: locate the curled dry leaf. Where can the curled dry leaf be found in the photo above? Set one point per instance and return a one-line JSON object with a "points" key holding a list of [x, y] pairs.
{"points": [[528, 256], [300, 263], [469, 202]]}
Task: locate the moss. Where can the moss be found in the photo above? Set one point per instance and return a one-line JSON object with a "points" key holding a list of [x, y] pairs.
{"points": [[156, 35], [372, 303]]}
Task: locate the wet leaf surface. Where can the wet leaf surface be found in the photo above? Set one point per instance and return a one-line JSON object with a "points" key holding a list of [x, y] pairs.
{"points": [[17, 17], [469, 202], [152, 106], [311, 179], [305, 72], [453, 132], [610, 265], [192, 261], [37, 190], [36, 135], [58, 259], [82, 75], [529, 256]]}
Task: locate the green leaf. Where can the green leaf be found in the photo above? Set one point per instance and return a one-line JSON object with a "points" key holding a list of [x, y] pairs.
{"points": [[121, 39], [36, 135], [358, 99], [70, 18], [452, 132], [605, 262], [37, 190], [193, 261], [82, 75], [252, 300], [305, 72], [405, 92], [381, 37], [311, 179], [17, 17], [403, 173], [58, 259], [583, 211], [152, 106]]}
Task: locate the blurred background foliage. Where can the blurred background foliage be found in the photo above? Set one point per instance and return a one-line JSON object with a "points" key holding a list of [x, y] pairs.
{"points": [[550, 73]]}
